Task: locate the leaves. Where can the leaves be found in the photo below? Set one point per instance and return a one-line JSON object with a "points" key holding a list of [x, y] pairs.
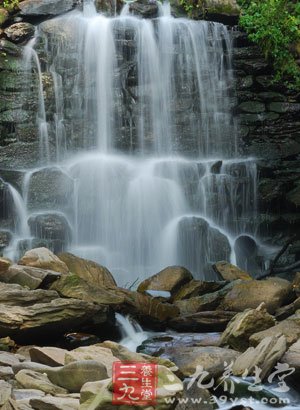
{"points": [[275, 26]]}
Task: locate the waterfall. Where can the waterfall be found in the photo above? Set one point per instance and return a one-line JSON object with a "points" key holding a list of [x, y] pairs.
{"points": [[140, 117]]}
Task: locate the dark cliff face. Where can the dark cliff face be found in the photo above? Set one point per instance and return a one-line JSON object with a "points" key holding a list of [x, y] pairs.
{"points": [[269, 117], [269, 130]]}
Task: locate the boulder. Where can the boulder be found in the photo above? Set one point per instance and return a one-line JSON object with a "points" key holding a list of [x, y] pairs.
{"points": [[50, 189], [72, 286], [20, 32], [8, 359], [52, 226], [74, 375], [30, 379], [292, 356], [54, 403], [93, 273], [170, 279], [6, 373], [94, 352], [13, 294], [244, 324], [50, 356], [210, 359], [290, 328], [4, 265], [56, 316], [197, 288], [230, 272], [207, 302], [215, 321], [98, 395], [29, 277], [265, 356], [144, 8], [147, 308], [43, 258], [274, 292], [33, 8]]}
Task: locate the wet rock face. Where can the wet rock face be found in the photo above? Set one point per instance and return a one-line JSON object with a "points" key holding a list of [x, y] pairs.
{"points": [[45, 7], [20, 32]]}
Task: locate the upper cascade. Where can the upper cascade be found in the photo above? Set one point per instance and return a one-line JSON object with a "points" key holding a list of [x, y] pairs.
{"points": [[138, 144]]}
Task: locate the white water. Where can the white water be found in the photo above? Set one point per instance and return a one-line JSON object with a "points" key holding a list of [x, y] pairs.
{"points": [[132, 333], [156, 176]]}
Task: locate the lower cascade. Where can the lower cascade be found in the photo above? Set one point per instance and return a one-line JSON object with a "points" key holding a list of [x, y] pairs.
{"points": [[139, 163]]}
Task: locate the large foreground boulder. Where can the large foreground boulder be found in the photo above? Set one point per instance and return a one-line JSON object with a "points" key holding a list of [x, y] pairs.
{"points": [[43, 258], [244, 324], [98, 395], [274, 292]]}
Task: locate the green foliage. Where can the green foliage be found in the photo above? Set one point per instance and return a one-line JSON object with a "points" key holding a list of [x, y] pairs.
{"points": [[9, 5], [275, 26]]}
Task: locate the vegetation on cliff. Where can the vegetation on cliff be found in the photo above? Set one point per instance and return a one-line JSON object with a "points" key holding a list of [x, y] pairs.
{"points": [[275, 26]]}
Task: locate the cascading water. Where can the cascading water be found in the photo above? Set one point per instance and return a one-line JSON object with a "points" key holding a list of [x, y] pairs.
{"points": [[139, 120]]}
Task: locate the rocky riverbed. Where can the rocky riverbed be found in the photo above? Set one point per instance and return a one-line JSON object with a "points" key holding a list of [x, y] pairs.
{"points": [[45, 297]]}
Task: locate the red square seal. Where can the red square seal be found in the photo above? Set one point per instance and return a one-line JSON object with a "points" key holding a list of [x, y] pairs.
{"points": [[134, 383]]}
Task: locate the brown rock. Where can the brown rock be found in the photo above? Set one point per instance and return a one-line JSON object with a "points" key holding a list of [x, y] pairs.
{"points": [[250, 294], [29, 277], [197, 288], [12, 294], [230, 272], [45, 259], [290, 328], [210, 358], [4, 265], [169, 279], [269, 352], [90, 271], [30, 379], [244, 324], [54, 403], [73, 286]]}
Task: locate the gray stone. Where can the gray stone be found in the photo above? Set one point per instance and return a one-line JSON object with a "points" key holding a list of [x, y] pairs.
{"points": [[292, 356], [6, 373], [45, 7], [38, 381], [50, 226], [23, 394], [54, 403], [144, 8], [50, 356]]}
